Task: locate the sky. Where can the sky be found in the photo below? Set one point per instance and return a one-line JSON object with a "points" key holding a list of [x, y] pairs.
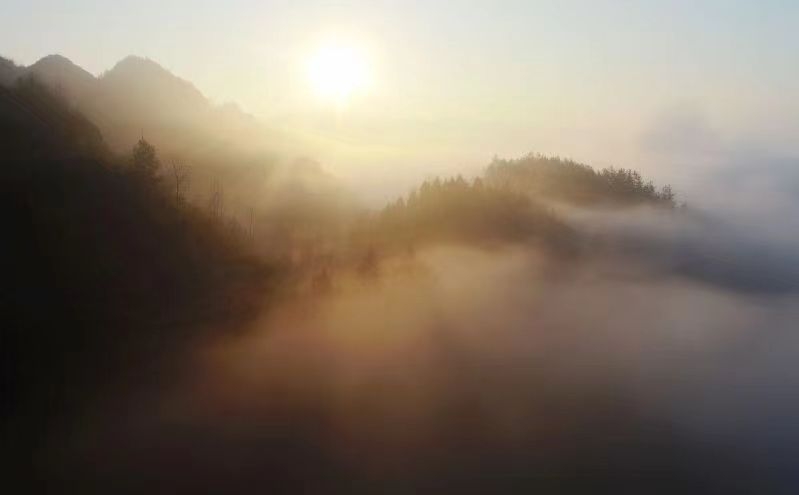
{"points": [[456, 82]]}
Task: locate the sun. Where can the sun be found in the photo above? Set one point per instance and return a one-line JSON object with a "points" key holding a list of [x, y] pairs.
{"points": [[338, 71]]}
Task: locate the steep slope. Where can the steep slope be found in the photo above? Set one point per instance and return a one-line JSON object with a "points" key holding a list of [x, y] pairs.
{"points": [[64, 77], [9, 72], [36, 123], [137, 95], [103, 271]]}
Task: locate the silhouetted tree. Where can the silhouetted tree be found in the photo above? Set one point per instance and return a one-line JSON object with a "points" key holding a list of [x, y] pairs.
{"points": [[180, 174], [251, 223], [667, 194], [216, 201], [145, 160]]}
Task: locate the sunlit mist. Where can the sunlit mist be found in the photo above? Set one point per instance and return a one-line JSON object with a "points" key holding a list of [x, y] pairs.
{"points": [[396, 247], [337, 71]]}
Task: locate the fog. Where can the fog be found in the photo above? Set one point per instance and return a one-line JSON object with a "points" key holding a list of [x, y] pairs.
{"points": [[331, 312], [473, 369], [660, 357]]}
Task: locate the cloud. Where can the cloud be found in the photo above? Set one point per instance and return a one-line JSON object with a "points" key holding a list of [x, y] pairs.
{"points": [[680, 130], [478, 370]]}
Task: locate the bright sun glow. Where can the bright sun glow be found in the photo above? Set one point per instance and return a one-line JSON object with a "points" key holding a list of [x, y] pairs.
{"points": [[338, 71]]}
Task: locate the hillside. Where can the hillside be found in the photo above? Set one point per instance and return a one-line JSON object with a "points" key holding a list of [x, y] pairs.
{"points": [[568, 181], [456, 211], [137, 98], [105, 271], [9, 72]]}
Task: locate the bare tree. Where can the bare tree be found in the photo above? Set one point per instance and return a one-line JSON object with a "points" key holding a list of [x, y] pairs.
{"points": [[180, 173], [251, 226], [216, 202]]}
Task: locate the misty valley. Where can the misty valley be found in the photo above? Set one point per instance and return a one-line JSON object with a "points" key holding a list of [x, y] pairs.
{"points": [[193, 304]]}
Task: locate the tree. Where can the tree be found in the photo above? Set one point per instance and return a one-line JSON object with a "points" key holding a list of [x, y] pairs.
{"points": [[251, 226], [180, 173], [564, 179], [667, 194], [216, 201], [145, 160]]}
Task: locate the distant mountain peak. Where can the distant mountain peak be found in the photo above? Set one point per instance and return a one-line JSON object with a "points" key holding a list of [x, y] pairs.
{"points": [[59, 62], [148, 77], [143, 68], [136, 62], [53, 59]]}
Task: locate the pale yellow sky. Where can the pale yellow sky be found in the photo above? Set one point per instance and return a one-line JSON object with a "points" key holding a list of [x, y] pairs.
{"points": [[456, 82]]}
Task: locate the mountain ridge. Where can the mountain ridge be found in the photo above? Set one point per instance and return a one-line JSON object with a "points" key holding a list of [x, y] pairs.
{"points": [[135, 88], [139, 97]]}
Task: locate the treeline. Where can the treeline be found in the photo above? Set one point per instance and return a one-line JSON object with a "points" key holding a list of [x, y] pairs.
{"points": [[457, 210], [511, 202], [565, 180]]}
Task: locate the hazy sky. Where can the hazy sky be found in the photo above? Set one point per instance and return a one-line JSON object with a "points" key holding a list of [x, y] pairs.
{"points": [[457, 81]]}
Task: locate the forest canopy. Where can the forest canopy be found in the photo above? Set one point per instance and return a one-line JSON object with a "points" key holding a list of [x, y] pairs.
{"points": [[562, 179], [455, 210]]}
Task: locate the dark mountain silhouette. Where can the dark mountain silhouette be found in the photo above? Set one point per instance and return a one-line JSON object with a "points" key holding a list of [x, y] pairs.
{"points": [[135, 89], [35, 123], [220, 144], [138, 96], [103, 271]]}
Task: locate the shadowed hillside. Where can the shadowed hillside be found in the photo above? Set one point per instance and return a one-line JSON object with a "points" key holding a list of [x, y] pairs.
{"points": [[138, 97], [9, 72], [105, 270]]}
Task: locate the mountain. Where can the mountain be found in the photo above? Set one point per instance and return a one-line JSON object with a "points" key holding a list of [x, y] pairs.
{"points": [[9, 72], [35, 122], [99, 261], [146, 79], [64, 77], [138, 98], [224, 150]]}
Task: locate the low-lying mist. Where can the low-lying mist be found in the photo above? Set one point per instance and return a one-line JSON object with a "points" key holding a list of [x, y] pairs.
{"points": [[543, 326], [470, 370]]}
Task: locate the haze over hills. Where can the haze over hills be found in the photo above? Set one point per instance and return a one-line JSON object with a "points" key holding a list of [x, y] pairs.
{"points": [[9, 71], [434, 248], [135, 90], [137, 97], [540, 317]]}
